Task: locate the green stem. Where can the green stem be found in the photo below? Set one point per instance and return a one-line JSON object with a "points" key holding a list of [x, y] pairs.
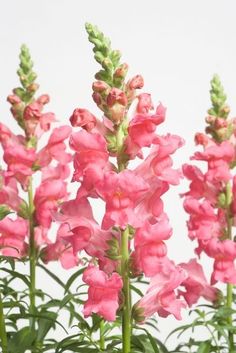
{"points": [[32, 254], [102, 338], [126, 316], [3, 333], [229, 295]]}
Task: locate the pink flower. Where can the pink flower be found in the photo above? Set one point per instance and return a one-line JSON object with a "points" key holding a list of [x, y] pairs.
{"points": [[90, 160], [20, 162], [160, 296], [56, 147], [136, 82], [37, 122], [12, 237], [144, 103], [196, 284], [103, 293], [204, 223], [122, 192], [82, 232], [150, 250], [46, 200], [9, 192], [199, 186], [141, 130], [224, 254], [83, 118], [159, 163]]}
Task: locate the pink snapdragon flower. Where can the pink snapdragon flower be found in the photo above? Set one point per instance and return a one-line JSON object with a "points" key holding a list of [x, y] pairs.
{"points": [[150, 249], [103, 293], [55, 148], [196, 284], [35, 121], [13, 234], [161, 296], [141, 130], [122, 192], [90, 160]]}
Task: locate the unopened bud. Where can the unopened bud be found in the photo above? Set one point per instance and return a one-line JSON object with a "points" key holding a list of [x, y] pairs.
{"points": [[100, 86], [97, 98], [33, 87], [201, 139], [83, 118], [136, 82], [121, 71], [44, 99], [13, 99], [116, 96]]}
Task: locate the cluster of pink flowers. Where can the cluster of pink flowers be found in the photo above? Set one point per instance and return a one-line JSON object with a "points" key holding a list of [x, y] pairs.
{"points": [[210, 201], [23, 159]]}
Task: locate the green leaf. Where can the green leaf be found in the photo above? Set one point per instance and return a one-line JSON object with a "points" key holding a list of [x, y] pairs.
{"points": [[21, 340], [72, 278], [45, 324], [15, 274], [205, 347]]}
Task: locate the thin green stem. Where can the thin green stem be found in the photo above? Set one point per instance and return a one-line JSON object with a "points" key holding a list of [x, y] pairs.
{"points": [[126, 316], [229, 295], [3, 333], [32, 254], [102, 337]]}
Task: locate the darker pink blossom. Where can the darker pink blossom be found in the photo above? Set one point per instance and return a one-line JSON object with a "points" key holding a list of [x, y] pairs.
{"points": [[103, 293]]}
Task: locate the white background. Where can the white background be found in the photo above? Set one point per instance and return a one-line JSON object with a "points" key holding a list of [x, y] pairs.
{"points": [[176, 45]]}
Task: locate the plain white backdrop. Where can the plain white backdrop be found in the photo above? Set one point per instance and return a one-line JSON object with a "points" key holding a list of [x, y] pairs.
{"points": [[176, 45]]}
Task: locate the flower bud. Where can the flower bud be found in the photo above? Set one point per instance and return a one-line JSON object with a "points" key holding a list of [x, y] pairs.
{"points": [[201, 139], [83, 118], [144, 103], [33, 87], [44, 99], [97, 98], [220, 123], [121, 71], [100, 86], [116, 96], [13, 99], [117, 113], [136, 82]]}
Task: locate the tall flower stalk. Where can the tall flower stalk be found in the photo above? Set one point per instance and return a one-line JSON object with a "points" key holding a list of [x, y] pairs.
{"points": [[130, 242], [210, 201]]}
